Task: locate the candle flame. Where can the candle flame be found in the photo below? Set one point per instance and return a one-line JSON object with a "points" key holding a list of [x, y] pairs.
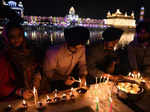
{"points": [[72, 89], [9, 106], [79, 80], [48, 97], [64, 94], [34, 90], [23, 102]]}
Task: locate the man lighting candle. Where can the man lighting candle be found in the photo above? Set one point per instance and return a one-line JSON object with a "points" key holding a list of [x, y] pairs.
{"points": [[101, 57], [62, 59]]}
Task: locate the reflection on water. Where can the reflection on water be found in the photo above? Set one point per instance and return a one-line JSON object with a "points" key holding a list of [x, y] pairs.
{"points": [[126, 38], [55, 37]]}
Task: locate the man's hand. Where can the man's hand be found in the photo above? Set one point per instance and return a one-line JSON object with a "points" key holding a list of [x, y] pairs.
{"points": [[27, 94], [83, 81], [112, 77], [70, 80]]}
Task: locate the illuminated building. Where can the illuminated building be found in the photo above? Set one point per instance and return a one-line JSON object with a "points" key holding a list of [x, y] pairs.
{"points": [[70, 19], [17, 6], [118, 19], [51, 28]]}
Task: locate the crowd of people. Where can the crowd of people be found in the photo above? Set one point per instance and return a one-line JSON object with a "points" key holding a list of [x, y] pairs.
{"points": [[62, 65]]}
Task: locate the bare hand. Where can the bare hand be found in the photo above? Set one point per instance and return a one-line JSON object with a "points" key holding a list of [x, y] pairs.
{"points": [[83, 81], [69, 81], [27, 94]]}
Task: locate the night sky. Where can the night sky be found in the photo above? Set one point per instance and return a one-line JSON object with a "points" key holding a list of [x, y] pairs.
{"points": [[84, 8]]}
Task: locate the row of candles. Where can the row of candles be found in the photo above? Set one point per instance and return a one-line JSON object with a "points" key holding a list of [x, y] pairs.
{"points": [[102, 79], [48, 100], [136, 76]]}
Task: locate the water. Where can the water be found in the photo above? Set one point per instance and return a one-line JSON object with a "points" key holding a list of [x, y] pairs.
{"points": [[55, 37]]}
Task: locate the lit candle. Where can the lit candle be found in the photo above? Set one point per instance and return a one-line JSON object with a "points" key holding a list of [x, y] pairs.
{"points": [[96, 80], [9, 108], [132, 75], [72, 89], [100, 79], [48, 99], [55, 95], [80, 82], [71, 93], [64, 97], [104, 79], [139, 75], [107, 79], [129, 74], [35, 93], [24, 103]]}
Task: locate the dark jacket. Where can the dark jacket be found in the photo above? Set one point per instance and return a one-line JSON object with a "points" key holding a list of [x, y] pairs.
{"points": [[99, 60]]}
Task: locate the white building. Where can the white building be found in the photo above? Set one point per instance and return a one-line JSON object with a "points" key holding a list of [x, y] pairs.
{"points": [[118, 19]]}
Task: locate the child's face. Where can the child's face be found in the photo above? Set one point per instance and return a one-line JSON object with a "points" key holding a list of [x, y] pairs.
{"points": [[16, 37]]}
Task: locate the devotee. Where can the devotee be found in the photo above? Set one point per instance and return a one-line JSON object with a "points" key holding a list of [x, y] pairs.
{"points": [[62, 59], [101, 57], [138, 50], [19, 68]]}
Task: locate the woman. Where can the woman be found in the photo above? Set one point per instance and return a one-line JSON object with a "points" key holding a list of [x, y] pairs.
{"points": [[22, 59]]}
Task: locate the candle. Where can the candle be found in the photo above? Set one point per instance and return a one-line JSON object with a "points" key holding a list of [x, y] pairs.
{"points": [[35, 93], [48, 99], [139, 75], [104, 79], [132, 75], [100, 79], [80, 82], [107, 79], [55, 95], [64, 97], [9, 108], [96, 80], [129, 74], [97, 104], [72, 89], [110, 109], [24, 103], [71, 93]]}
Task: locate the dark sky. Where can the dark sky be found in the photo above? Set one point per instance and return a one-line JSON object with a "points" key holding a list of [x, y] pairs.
{"points": [[85, 8]]}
